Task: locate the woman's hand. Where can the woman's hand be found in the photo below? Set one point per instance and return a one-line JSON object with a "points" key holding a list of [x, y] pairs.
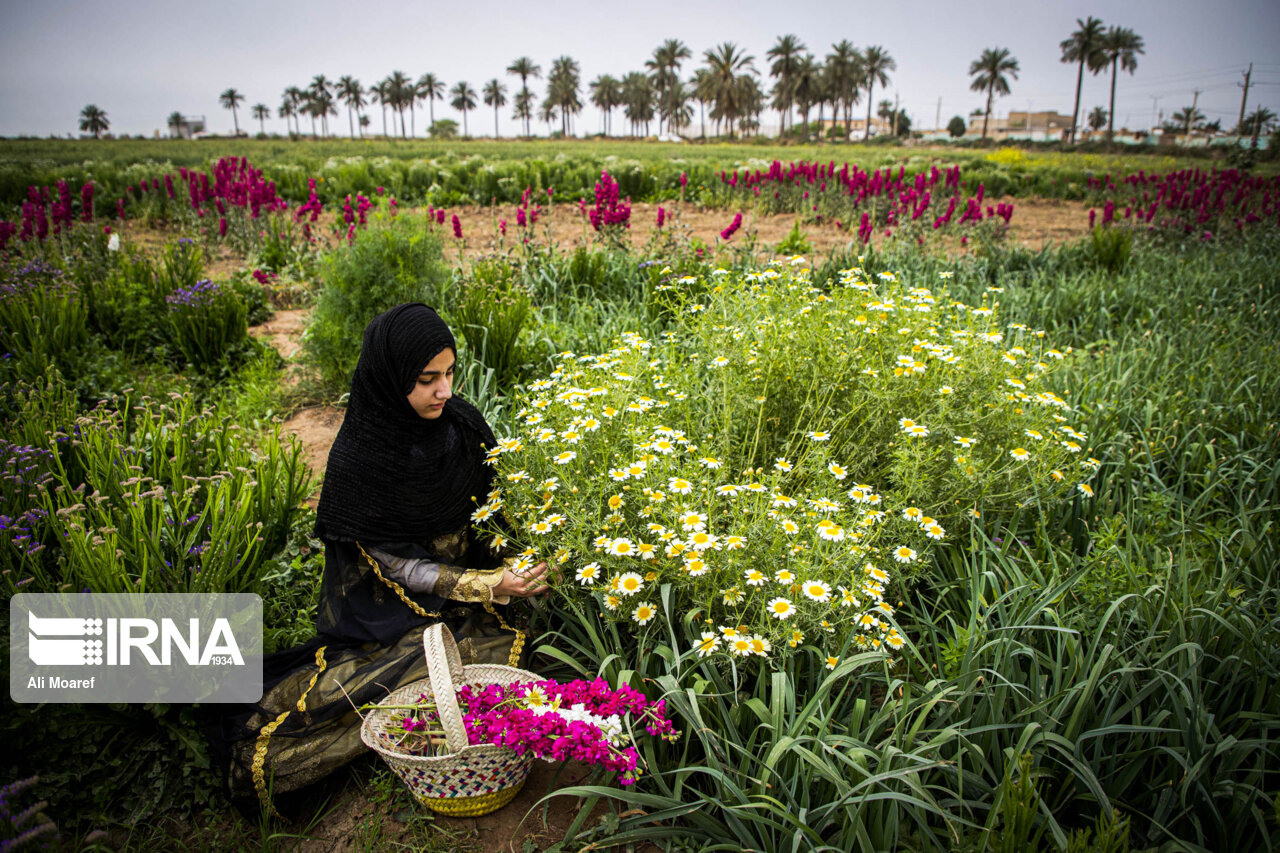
{"points": [[522, 584]]}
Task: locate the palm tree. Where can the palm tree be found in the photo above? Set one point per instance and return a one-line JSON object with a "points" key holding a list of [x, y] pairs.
{"points": [[380, 92], [1098, 118], [676, 106], [495, 95], [322, 97], [525, 68], [94, 120], [786, 55], [548, 113], [523, 107], [174, 123], [845, 74], [727, 65], [665, 66], [464, 98], [1257, 122], [988, 72], [606, 93], [1188, 117], [806, 86], [638, 97], [295, 98], [352, 94], [1120, 48], [401, 92], [702, 94], [431, 87], [876, 65], [563, 87], [1085, 47], [261, 113], [230, 99]]}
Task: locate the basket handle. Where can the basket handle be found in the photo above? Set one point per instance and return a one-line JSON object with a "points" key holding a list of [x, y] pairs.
{"points": [[444, 667]]}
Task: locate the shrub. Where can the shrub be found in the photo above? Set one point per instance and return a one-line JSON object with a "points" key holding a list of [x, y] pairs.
{"points": [[207, 321], [492, 311], [779, 453], [381, 268], [1110, 248], [43, 319], [148, 497]]}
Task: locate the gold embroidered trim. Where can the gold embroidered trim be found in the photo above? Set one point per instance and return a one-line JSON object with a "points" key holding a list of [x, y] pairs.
{"points": [[264, 738], [517, 645], [396, 588], [477, 586]]}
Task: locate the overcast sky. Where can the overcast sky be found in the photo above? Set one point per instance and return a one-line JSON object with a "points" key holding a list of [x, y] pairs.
{"points": [[140, 60]]}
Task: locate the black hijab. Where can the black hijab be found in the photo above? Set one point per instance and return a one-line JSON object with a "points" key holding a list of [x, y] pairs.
{"points": [[394, 476]]}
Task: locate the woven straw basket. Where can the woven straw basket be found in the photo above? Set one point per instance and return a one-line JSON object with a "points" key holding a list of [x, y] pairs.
{"points": [[470, 780]]}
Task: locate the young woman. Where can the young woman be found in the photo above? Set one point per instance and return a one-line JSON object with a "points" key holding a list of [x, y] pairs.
{"points": [[405, 474]]}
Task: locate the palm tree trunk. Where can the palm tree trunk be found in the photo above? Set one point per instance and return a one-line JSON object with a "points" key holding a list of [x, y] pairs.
{"points": [[464, 123], [351, 122], [262, 126], [495, 119], [702, 111], [402, 135], [384, 121], [987, 115], [1111, 115], [413, 121], [871, 85], [431, 107], [1075, 114], [236, 120]]}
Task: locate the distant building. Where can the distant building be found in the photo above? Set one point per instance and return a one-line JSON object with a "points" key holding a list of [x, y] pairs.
{"points": [[185, 127], [1019, 124], [857, 127]]}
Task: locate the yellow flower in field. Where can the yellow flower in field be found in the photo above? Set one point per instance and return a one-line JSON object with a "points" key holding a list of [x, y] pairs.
{"points": [[540, 527], [912, 513], [483, 513], [1056, 475], [903, 554], [789, 527], [1033, 434], [615, 502], [643, 613], [566, 457], [734, 543], [1020, 454], [708, 644], [645, 551], [830, 531], [701, 540], [918, 431], [663, 446], [781, 608], [784, 576], [965, 442], [1071, 446], [740, 646], [1085, 489], [680, 486], [754, 577], [866, 622], [935, 531], [621, 547], [832, 661], [695, 567], [837, 471], [612, 602], [819, 591], [819, 435], [797, 637], [847, 598], [676, 548], [945, 390], [728, 632], [885, 607], [630, 583], [693, 521], [588, 574], [733, 595], [510, 445], [636, 469], [894, 640], [760, 646]]}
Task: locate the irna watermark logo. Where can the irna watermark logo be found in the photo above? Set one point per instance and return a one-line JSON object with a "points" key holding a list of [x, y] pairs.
{"points": [[135, 648]]}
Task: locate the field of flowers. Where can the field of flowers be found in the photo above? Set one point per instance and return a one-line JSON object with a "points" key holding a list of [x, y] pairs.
{"points": [[922, 550]]}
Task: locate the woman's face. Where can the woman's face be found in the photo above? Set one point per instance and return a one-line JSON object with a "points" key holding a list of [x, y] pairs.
{"points": [[434, 386]]}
